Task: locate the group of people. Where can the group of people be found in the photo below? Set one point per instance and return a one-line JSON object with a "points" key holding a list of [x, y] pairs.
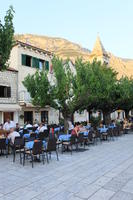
{"points": [[78, 128], [10, 129]]}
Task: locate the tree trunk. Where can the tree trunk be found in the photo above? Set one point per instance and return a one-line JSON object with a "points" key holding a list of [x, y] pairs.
{"points": [[106, 117], [67, 118], [127, 114]]}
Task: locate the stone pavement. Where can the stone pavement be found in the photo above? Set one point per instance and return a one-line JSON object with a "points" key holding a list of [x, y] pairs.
{"points": [[104, 172]]}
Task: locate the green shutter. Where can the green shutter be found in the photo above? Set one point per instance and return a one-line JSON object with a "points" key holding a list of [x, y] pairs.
{"points": [[47, 65], [35, 62], [23, 60]]}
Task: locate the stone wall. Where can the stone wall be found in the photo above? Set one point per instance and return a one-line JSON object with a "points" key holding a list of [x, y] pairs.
{"points": [[9, 78]]}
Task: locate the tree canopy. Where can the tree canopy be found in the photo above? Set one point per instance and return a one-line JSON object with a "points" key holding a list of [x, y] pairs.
{"points": [[91, 86], [6, 38], [39, 88]]}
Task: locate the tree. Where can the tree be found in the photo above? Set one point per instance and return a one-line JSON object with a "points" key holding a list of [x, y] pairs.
{"points": [[39, 88], [98, 85], [6, 38], [63, 89], [103, 89], [125, 100]]}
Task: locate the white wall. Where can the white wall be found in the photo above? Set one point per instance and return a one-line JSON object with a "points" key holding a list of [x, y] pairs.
{"points": [[79, 117]]}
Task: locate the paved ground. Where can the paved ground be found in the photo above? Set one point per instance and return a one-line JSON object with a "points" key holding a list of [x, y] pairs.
{"points": [[103, 172]]}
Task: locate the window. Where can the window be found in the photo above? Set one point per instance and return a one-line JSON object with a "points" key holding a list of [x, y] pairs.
{"points": [[26, 60], [35, 62], [47, 65], [5, 92], [41, 64]]}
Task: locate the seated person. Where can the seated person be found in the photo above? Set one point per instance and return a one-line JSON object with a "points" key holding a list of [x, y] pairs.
{"points": [[42, 128], [113, 123], [12, 135], [101, 124], [9, 124], [75, 131], [82, 128], [17, 127], [29, 125], [35, 124], [125, 124]]}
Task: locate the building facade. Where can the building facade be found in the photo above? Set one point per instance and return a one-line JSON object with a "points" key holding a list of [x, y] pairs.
{"points": [[27, 59], [16, 102], [9, 106]]}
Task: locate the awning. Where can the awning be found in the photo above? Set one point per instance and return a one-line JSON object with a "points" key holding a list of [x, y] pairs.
{"points": [[9, 107]]}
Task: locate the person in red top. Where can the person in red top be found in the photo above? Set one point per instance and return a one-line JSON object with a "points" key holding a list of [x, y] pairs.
{"points": [[76, 130]]}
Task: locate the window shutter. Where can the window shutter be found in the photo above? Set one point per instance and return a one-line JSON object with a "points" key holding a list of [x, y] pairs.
{"points": [[47, 65], [8, 91], [23, 59], [35, 62]]}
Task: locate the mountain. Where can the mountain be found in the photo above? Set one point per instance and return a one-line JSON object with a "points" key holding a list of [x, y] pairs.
{"points": [[67, 49]]}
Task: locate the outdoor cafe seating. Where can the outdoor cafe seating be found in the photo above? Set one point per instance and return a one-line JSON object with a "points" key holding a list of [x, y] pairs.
{"points": [[37, 147]]}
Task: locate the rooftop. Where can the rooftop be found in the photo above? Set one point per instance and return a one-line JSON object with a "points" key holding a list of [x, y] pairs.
{"points": [[23, 44], [98, 48]]}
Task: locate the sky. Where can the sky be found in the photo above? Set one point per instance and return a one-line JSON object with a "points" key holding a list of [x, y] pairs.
{"points": [[79, 21]]}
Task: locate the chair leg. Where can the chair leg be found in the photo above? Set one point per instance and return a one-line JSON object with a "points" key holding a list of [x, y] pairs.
{"points": [[43, 157], [6, 152], [20, 156], [32, 161], [71, 149], [57, 155], [14, 155], [47, 157], [24, 159]]}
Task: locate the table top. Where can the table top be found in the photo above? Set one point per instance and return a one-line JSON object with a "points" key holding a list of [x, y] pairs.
{"points": [[103, 130], [27, 135], [65, 137], [29, 145]]}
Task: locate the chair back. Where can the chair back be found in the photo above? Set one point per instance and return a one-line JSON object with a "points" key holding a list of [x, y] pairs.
{"points": [[19, 142], [37, 147], [51, 144], [30, 128], [3, 143], [33, 136], [80, 138], [41, 136], [73, 139], [46, 133]]}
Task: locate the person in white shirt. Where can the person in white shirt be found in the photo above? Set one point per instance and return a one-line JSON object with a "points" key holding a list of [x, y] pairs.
{"points": [[9, 124], [42, 127], [12, 135], [28, 125]]}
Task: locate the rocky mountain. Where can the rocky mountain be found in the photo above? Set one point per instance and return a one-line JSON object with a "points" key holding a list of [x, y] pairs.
{"points": [[67, 49]]}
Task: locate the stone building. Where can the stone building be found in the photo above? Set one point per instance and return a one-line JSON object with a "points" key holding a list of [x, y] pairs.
{"points": [[99, 52], [9, 106], [27, 59]]}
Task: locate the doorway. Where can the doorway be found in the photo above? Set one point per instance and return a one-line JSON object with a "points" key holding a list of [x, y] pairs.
{"points": [[28, 116], [9, 115], [44, 116]]}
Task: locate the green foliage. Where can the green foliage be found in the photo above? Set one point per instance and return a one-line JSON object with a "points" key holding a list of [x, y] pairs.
{"points": [[63, 88], [95, 121], [125, 89], [6, 38], [92, 86], [39, 88]]}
